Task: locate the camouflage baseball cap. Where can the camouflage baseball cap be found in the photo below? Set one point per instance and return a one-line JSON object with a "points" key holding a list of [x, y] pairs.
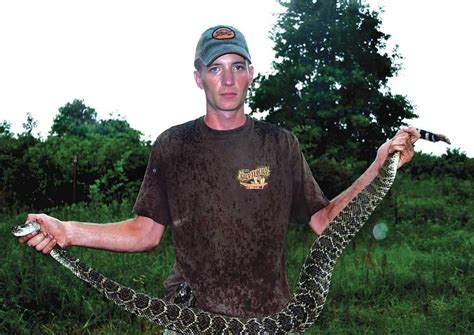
{"points": [[218, 41]]}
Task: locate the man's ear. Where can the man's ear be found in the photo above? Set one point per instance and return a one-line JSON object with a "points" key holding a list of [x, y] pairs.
{"points": [[197, 78], [251, 71]]}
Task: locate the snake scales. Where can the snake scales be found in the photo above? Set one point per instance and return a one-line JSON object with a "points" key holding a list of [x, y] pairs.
{"points": [[310, 294]]}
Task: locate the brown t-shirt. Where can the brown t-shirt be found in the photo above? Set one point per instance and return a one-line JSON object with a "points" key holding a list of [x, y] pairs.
{"points": [[228, 197]]}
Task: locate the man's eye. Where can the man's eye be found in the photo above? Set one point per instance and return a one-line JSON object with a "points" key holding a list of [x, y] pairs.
{"points": [[214, 69], [239, 67]]}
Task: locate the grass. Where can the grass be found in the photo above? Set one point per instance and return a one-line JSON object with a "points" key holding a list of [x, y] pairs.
{"points": [[417, 281]]}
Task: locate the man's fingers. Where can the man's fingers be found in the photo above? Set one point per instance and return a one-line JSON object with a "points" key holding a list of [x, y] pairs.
{"points": [[413, 133], [400, 148], [47, 249], [33, 217], [402, 142], [35, 240], [40, 246], [43, 240], [25, 238]]}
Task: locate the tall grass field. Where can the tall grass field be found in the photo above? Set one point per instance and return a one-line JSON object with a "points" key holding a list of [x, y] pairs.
{"points": [[418, 280]]}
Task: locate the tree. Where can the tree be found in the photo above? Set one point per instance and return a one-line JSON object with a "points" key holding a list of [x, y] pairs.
{"points": [[117, 128], [29, 125], [77, 119], [14, 167], [5, 129], [329, 86], [85, 159], [74, 119]]}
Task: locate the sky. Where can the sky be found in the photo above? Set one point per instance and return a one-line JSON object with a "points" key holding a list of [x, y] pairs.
{"points": [[134, 59]]}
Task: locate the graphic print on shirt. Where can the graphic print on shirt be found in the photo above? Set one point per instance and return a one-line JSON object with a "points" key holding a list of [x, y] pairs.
{"points": [[255, 179]]}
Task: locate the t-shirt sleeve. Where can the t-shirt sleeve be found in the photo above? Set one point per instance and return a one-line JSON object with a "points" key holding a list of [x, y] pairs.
{"points": [[152, 199], [308, 198]]}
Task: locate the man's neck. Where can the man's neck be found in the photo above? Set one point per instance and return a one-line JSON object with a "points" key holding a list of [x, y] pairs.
{"points": [[225, 120]]}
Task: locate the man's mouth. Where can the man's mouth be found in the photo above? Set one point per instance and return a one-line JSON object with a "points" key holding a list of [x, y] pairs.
{"points": [[228, 95]]}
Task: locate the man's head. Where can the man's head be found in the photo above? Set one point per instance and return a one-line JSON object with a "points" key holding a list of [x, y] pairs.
{"points": [[218, 41], [223, 69]]}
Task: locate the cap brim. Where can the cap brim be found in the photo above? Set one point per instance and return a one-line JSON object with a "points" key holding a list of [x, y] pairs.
{"points": [[223, 50]]}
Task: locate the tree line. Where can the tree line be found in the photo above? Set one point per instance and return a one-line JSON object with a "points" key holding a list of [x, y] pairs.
{"points": [[82, 159]]}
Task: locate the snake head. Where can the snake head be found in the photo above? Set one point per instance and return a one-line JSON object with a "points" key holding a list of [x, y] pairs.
{"points": [[27, 228]]}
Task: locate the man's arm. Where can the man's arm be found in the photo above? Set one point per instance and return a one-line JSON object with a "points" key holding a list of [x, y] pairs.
{"points": [[134, 235], [402, 142]]}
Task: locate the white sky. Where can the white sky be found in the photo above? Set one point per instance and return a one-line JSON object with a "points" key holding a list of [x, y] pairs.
{"points": [[134, 58]]}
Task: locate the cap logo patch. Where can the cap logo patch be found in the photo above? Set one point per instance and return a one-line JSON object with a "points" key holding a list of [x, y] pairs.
{"points": [[223, 34]]}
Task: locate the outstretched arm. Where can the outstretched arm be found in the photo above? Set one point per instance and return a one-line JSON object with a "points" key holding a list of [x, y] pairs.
{"points": [[402, 142], [134, 235]]}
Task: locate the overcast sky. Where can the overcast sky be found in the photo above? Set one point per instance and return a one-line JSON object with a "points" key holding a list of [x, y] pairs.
{"points": [[134, 59]]}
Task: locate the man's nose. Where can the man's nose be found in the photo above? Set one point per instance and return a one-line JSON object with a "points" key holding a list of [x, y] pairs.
{"points": [[228, 77]]}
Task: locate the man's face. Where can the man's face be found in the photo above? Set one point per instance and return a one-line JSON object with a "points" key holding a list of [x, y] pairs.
{"points": [[225, 82]]}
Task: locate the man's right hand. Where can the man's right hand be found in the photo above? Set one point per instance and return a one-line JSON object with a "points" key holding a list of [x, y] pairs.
{"points": [[52, 232]]}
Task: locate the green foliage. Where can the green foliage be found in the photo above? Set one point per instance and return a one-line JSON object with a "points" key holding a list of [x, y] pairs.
{"points": [[114, 167], [13, 174], [121, 178], [77, 119], [453, 163], [116, 128], [329, 85], [5, 129], [29, 125], [87, 160], [74, 119]]}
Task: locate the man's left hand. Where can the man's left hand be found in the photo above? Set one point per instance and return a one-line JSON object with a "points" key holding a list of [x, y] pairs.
{"points": [[403, 142]]}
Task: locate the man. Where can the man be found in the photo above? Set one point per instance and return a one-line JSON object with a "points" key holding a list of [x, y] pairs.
{"points": [[226, 185]]}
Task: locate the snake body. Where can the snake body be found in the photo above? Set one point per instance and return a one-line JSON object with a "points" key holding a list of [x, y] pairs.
{"points": [[311, 290]]}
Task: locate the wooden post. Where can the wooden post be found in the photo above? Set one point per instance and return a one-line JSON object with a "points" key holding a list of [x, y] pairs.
{"points": [[74, 179]]}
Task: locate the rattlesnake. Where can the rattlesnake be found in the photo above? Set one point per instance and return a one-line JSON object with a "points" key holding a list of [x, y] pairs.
{"points": [[310, 294]]}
